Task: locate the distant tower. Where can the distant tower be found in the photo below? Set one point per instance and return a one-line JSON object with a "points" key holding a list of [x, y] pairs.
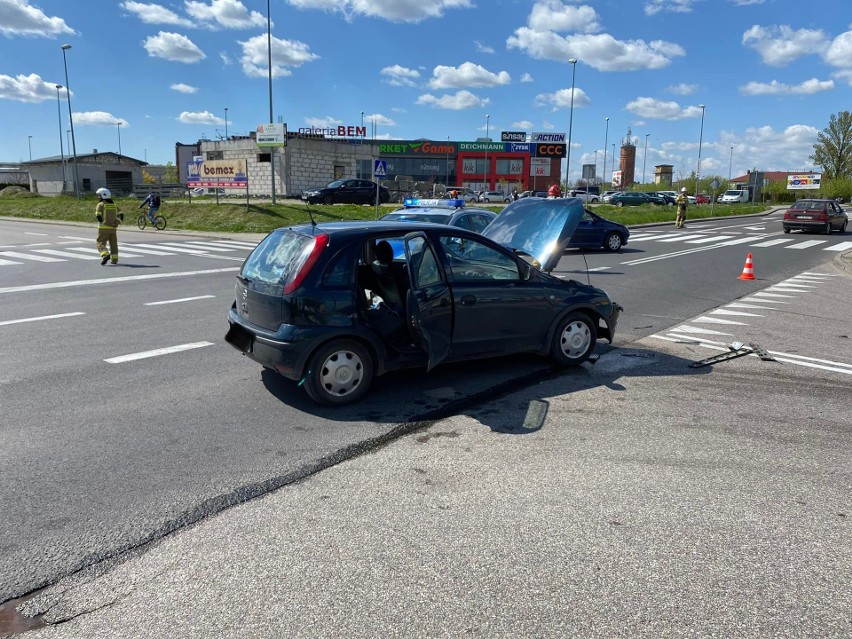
{"points": [[627, 163]]}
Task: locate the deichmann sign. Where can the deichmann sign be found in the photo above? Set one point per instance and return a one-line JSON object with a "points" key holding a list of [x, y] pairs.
{"points": [[220, 173], [513, 136], [803, 181], [482, 146], [271, 135]]}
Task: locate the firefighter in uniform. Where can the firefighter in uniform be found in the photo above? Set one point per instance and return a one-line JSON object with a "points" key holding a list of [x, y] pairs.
{"points": [[681, 201], [108, 218]]}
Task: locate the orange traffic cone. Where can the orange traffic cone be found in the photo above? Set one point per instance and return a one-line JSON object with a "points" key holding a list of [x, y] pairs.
{"points": [[748, 269]]}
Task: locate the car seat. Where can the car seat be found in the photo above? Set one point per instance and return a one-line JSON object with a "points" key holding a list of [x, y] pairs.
{"points": [[383, 269]]}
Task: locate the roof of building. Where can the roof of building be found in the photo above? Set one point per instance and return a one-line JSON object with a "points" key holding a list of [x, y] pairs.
{"points": [[83, 157]]}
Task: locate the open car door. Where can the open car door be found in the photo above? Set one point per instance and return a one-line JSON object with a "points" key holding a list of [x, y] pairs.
{"points": [[429, 303]]}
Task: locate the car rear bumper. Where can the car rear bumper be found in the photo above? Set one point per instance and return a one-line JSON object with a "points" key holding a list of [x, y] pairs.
{"points": [[803, 225]]}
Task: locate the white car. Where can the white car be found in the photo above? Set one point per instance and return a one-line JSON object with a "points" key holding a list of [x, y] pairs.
{"points": [[494, 196], [690, 199]]}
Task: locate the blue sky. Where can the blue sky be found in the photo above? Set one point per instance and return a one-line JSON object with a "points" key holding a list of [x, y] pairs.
{"points": [[769, 72]]}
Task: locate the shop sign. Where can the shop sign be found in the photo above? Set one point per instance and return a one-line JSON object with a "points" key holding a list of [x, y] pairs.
{"points": [[549, 149], [217, 173], [547, 137], [513, 136]]}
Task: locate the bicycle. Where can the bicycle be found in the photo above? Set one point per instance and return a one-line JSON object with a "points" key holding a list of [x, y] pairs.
{"points": [[142, 221]]}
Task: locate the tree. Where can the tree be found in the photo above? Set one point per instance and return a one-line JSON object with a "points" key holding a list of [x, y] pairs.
{"points": [[833, 149], [170, 175]]}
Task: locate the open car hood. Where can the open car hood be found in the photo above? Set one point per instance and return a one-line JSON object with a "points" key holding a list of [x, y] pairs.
{"points": [[538, 227]]}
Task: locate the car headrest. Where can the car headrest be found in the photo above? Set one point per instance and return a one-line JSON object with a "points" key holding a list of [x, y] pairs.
{"points": [[384, 252]]}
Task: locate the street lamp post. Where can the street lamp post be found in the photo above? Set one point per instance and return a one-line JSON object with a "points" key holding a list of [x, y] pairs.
{"points": [[269, 64], [645, 157], [118, 126], [61, 150], [730, 163], [606, 139], [613, 162], [65, 48], [226, 123], [487, 139], [573, 62], [30, 141], [447, 181], [700, 137]]}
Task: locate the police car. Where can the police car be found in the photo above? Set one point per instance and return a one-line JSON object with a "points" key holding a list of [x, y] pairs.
{"points": [[450, 212]]}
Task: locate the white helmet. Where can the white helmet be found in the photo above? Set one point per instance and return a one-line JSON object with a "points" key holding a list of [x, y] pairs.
{"points": [[683, 190], [104, 193]]}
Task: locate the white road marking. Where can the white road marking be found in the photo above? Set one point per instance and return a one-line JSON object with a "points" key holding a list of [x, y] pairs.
{"points": [[716, 320], [147, 251], [242, 245], [680, 238], [33, 233], [75, 256], [812, 274], [843, 246], [172, 248], [760, 301], [722, 311], [693, 330], [115, 280], [27, 256], [183, 299], [207, 247], [762, 294], [9, 263], [782, 240], [74, 237], [755, 228], [804, 245], [715, 238], [157, 352], [755, 306], [741, 240], [38, 319], [648, 237]]}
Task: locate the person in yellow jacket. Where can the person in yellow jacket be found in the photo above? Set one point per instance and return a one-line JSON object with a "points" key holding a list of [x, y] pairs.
{"points": [[108, 218], [681, 200]]}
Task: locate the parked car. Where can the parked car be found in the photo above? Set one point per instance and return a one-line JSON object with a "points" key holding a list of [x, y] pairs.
{"points": [[330, 307], [661, 199], [815, 215], [494, 196], [589, 194], [449, 212], [465, 193], [347, 191], [702, 198], [733, 196], [533, 194], [593, 231], [633, 198]]}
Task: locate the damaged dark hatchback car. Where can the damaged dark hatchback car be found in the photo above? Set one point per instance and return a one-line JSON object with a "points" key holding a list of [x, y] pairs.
{"points": [[334, 305]]}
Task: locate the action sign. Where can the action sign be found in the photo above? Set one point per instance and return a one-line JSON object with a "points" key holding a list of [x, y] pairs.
{"points": [[380, 169]]}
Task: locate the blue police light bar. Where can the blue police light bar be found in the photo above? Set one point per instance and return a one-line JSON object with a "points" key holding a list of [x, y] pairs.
{"points": [[413, 202]]}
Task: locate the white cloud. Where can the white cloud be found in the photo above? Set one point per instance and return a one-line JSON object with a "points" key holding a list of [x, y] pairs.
{"points": [[600, 51], [155, 14], [17, 17], [379, 119], [27, 88], [391, 10], [400, 76], [461, 100], [98, 117], [523, 125], [200, 117], [682, 88], [225, 58], [561, 99], [230, 14], [552, 15], [174, 47], [671, 6], [780, 45], [285, 53], [745, 3], [839, 52], [527, 78], [466, 74], [180, 87], [778, 88], [772, 150], [323, 123], [482, 47], [654, 109], [845, 76]]}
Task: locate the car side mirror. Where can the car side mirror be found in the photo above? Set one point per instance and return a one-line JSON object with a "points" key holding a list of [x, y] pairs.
{"points": [[526, 271]]}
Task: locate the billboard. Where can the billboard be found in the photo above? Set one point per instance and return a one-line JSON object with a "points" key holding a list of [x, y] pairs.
{"points": [[230, 174], [616, 179], [539, 167], [513, 136], [547, 137], [271, 135], [803, 181]]}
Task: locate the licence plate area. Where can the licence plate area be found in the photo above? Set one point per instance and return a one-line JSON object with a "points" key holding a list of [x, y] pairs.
{"points": [[240, 338], [804, 217]]}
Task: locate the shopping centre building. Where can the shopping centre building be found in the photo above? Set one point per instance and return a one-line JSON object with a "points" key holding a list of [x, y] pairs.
{"points": [[311, 157]]}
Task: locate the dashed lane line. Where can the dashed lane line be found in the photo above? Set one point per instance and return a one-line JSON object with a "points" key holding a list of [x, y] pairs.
{"points": [[157, 352], [39, 319]]}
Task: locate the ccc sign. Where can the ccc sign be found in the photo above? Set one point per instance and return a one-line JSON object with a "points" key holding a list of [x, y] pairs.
{"points": [[543, 150]]}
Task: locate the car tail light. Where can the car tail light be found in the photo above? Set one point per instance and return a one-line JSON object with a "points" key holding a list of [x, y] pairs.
{"points": [[310, 256]]}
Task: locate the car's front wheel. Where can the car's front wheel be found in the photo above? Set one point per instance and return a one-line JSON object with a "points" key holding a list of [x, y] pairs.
{"points": [[339, 373], [619, 204], [328, 200], [574, 340], [612, 242], [827, 229]]}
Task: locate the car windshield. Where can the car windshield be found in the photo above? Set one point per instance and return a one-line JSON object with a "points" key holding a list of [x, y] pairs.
{"points": [[732, 192], [435, 218]]}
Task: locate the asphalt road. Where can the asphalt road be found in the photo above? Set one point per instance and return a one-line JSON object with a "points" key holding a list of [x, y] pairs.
{"points": [[105, 450]]}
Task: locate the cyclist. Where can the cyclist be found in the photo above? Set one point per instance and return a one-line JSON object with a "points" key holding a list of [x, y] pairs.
{"points": [[153, 202]]}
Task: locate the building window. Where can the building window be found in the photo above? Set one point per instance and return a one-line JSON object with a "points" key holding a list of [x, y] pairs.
{"points": [[510, 167], [215, 155]]}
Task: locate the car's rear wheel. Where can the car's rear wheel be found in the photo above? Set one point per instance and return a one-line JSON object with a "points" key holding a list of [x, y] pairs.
{"points": [[786, 229], [612, 242], [843, 228], [339, 373], [574, 339]]}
